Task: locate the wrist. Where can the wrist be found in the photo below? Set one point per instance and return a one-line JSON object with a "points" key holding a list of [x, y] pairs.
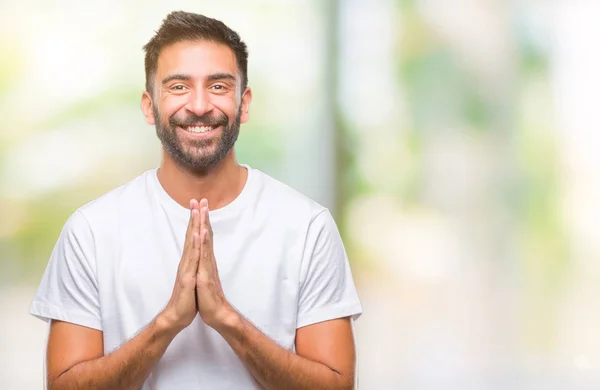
{"points": [[166, 323], [227, 319]]}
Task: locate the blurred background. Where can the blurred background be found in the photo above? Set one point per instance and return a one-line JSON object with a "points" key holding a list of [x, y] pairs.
{"points": [[454, 140]]}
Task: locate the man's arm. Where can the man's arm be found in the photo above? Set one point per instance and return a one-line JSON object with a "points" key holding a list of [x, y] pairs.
{"points": [[325, 358], [75, 358], [326, 354], [75, 352]]}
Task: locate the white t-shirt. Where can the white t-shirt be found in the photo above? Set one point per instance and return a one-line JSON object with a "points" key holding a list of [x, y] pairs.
{"points": [[280, 257]]}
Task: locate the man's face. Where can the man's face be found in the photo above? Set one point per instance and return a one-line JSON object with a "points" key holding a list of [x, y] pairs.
{"points": [[196, 104]]}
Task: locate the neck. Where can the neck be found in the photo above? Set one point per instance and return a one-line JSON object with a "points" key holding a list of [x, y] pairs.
{"points": [[220, 185]]}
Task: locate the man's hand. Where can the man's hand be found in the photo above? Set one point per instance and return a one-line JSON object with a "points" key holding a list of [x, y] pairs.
{"points": [[75, 353], [326, 350], [182, 307], [212, 305]]}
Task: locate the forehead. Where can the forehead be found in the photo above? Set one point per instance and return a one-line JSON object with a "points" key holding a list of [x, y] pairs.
{"points": [[197, 59]]}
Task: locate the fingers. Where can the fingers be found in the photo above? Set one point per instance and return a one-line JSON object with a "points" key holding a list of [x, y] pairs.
{"points": [[195, 217], [204, 219], [205, 232], [197, 243], [195, 254], [192, 222], [191, 248]]}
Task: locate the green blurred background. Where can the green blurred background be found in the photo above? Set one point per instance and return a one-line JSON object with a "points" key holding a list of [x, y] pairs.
{"points": [[454, 140]]}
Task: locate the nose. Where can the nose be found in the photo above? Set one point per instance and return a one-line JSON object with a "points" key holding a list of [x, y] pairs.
{"points": [[199, 102]]}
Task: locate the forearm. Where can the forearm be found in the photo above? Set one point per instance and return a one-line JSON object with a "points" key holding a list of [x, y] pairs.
{"points": [[125, 368], [275, 367]]}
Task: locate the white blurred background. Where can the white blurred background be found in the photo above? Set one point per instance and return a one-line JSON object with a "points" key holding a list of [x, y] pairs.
{"points": [[456, 141]]}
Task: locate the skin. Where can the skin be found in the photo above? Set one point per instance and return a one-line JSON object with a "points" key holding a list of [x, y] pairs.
{"points": [[325, 352]]}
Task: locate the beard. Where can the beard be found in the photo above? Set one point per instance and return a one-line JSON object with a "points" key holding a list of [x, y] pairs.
{"points": [[197, 155]]}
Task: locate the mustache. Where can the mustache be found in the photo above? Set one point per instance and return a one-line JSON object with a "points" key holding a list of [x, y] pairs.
{"points": [[203, 120]]}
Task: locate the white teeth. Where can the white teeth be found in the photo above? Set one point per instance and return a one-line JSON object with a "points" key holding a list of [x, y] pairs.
{"points": [[199, 129]]}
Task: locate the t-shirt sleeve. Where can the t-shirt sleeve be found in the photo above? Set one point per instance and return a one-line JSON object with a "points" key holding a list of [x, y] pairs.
{"points": [[69, 289], [327, 289]]}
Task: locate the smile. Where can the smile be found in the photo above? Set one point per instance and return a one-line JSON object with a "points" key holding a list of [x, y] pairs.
{"points": [[199, 129]]}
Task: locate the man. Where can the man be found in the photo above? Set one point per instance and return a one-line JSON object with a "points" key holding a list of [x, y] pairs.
{"points": [[147, 288]]}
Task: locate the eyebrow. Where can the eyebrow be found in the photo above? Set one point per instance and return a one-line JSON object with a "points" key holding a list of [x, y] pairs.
{"points": [[221, 76], [185, 77], [177, 76]]}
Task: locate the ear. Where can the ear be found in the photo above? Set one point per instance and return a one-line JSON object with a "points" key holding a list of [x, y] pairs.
{"points": [[146, 106], [246, 99]]}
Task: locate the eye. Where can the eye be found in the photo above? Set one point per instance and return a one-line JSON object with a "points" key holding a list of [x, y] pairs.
{"points": [[219, 87], [178, 88]]}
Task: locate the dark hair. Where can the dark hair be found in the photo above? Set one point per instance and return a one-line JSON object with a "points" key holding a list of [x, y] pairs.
{"points": [[181, 26]]}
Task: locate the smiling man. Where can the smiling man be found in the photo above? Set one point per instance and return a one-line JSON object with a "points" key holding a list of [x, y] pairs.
{"points": [[202, 273]]}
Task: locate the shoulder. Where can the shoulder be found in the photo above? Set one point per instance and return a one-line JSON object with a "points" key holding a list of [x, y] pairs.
{"points": [[285, 201], [109, 205]]}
